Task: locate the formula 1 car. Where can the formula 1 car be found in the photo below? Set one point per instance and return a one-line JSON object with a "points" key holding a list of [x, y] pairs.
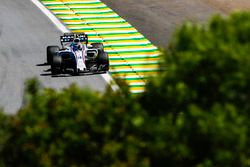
{"points": [[76, 54]]}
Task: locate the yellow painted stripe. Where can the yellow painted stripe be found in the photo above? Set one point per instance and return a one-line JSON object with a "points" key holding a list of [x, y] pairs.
{"points": [[93, 21], [67, 1], [118, 25], [126, 30], [86, 5], [105, 15], [77, 1], [137, 90]]}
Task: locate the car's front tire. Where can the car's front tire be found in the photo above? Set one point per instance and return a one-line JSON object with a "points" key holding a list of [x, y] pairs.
{"points": [[103, 60], [76, 71], [56, 64]]}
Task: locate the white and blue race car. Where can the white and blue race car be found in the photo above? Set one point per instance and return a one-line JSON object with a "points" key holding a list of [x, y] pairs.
{"points": [[77, 55]]}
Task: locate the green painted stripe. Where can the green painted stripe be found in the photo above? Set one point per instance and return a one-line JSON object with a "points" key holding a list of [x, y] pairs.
{"points": [[108, 38], [56, 11], [111, 23], [132, 72], [72, 1], [63, 7], [134, 65], [95, 20], [121, 61], [87, 12], [89, 27], [96, 27], [90, 17], [129, 40], [132, 51], [82, 2], [77, 22], [132, 48], [133, 58], [127, 59], [136, 86], [73, 4], [127, 45], [106, 33], [133, 79], [142, 56]]}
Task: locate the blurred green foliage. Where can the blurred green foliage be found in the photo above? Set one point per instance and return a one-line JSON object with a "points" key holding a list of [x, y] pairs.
{"points": [[195, 113]]}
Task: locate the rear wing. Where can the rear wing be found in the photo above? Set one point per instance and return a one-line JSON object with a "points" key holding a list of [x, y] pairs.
{"points": [[69, 37]]}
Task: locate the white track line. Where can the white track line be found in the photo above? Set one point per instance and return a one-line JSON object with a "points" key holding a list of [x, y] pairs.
{"points": [[107, 77]]}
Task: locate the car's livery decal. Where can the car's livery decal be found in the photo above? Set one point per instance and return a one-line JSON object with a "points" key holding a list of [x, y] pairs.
{"points": [[132, 56]]}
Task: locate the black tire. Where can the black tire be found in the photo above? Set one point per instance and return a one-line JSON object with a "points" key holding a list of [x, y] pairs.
{"points": [[98, 46], [56, 64], [51, 50], [103, 60], [76, 72]]}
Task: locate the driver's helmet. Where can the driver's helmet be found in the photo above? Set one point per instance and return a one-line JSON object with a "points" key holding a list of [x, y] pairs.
{"points": [[76, 41], [76, 44]]}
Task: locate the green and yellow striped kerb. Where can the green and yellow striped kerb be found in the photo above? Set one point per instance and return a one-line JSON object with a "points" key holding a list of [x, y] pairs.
{"points": [[132, 56]]}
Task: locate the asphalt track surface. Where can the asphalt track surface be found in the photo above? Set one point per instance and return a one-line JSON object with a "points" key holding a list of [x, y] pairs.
{"points": [[25, 33], [158, 19]]}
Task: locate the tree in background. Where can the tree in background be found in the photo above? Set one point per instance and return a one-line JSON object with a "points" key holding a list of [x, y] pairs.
{"points": [[206, 65], [205, 91], [4, 133], [193, 114], [75, 127]]}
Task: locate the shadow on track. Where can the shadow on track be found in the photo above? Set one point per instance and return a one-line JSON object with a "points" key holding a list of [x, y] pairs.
{"points": [[67, 73], [43, 64]]}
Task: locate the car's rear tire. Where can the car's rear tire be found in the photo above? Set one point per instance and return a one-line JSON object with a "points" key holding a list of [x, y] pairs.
{"points": [[103, 60], [51, 50], [56, 64], [76, 72]]}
